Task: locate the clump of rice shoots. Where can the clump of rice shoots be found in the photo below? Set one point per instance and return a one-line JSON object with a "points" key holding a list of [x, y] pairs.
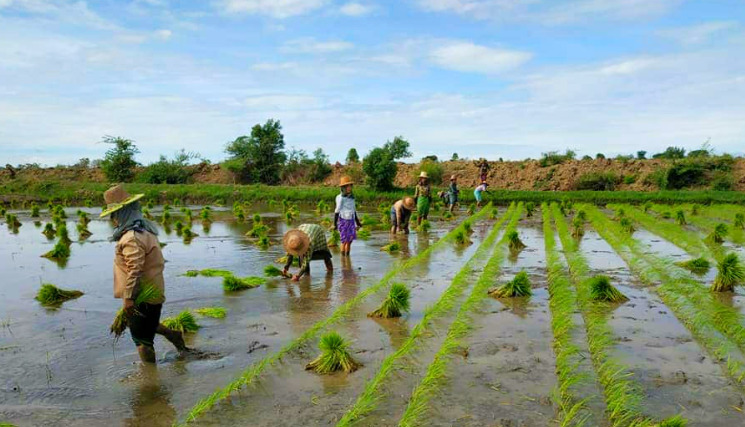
{"points": [[519, 286], [49, 231], [471, 209], [213, 312], [12, 221], [695, 209], [232, 283], [283, 260], [188, 235], [63, 235], [59, 211], [35, 211], [88, 203], [698, 266], [666, 215], [83, 217], [739, 220], [50, 295], [425, 226], [166, 217], [447, 215], [166, 207], [719, 233], [627, 226], [529, 209], [272, 271], [602, 290], [179, 227], [368, 221], [2, 211], [240, 216], [60, 251], [582, 215], [680, 217], [620, 213], [322, 207], [335, 239], [263, 242], [391, 247], [256, 218], [183, 322], [83, 232], [334, 356], [147, 294], [461, 237], [395, 304], [578, 228], [676, 421], [205, 215], [364, 234], [731, 273], [494, 213], [187, 214], [467, 226], [258, 230], [150, 204], [514, 242]]}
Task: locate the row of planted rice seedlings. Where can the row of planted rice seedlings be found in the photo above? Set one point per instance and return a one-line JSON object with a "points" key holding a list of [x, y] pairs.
{"points": [[253, 372], [369, 398], [690, 302], [436, 374], [733, 226], [623, 396]]}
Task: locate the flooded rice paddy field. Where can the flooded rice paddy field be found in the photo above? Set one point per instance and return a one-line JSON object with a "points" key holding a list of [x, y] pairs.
{"points": [[61, 366]]}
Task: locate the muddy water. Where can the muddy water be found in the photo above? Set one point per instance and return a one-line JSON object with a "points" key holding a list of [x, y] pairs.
{"points": [[507, 377], [61, 367], [676, 375], [289, 395]]}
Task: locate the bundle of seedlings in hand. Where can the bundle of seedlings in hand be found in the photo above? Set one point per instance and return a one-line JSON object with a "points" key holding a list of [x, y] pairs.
{"points": [[283, 260], [602, 290], [335, 239], [188, 235], [731, 273], [739, 220], [50, 295], [698, 266], [34, 211], [205, 215], [49, 230], [719, 233], [680, 217], [461, 237], [184, 322], [517, 287], [578, 228], [334, 356], [529, 209], [627, 225], [391, 247], [232, 283], [147, 294], [83, 232], [514, 242], [272, 271], [425, 226], [213, 312], [395, 304], [364, 234]]}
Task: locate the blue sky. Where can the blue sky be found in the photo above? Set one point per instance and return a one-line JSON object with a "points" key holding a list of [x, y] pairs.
{"points": [[493, 78]]}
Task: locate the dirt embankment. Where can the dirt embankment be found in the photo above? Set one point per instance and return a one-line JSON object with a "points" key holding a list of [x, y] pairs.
{"points": [[522, 175]]}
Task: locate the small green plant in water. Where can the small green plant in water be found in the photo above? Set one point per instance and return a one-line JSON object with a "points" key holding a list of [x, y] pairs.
{"points": [[258, 230], [461, 237], [529, 209], [335, 239], [395, 304], [695, 209], [582, 215], [425, 226], [51, 296], [146, 213], [676, 421], [35, 211], [698, 266], [213, 312], [739, 220], [666, 215], [166, 217], [179, 227], [49, 231], [83, 232], [188, 235], [391, 247], [517, 287], [494, 213], [471, 209], [183, 322], [12, 220], [272, 271], [334, 356], [263, 242], [620, 213], [719, 233], [514, 242], [232, 283], [364, 234], [447, 215], [61, 251], [578, 228], [602, 290], [205, 215], [680, 217], [627, 225], [730, 274]]}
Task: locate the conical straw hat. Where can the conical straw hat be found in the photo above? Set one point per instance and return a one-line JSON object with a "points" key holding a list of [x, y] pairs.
{"points": [[409, 203], [296, 242], [116, 198]]}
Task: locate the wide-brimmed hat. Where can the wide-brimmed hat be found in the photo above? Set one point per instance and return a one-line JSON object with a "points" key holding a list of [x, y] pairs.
{"points": [[423, 174], [453, 177], [409, 203], [345, 180], [116, 198], [296, 242]]}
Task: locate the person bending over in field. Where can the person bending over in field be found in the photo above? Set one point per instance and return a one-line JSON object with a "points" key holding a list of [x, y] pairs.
{"points": [[345, 216], [478, 193], [138, 262], [453, 192], [308, 243], [400, 214], [423, 197]]}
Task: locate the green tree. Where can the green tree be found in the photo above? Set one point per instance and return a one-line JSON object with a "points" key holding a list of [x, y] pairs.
{"points": [[166, 171], [380, 164], [455, 156], [259, 157], [399, 148], [352, 156], [119, 162], [671, 153], [319, 167], [641, 154]]}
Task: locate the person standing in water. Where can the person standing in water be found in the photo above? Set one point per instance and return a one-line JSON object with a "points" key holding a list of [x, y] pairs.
{"points": [[308, 243], [423, 197], [483, 166], [138, 261], [453, 192], [346, 220], [400, 214], [477, 193]]}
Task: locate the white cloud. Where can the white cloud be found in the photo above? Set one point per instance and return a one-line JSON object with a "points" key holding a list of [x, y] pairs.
{"points": [[275, 8], [469, 57], [274, 66], [71, 12], [282, 102], [355, 9], [697, 34], [163, 34], [311, 45]]}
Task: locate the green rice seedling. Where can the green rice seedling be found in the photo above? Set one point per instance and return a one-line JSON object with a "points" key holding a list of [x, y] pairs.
{"points": [[322, 207], [730, 274], [334, 356], [676, 421], [232, 283], [578, 228], [49, 231], [695, 209], [425, 226], [83, 232], [529, 209], [34, 211], [364, 233], [391, 247], [61, 251], [213, 312], [191, 273], [395, 304], [467, 226], [263, 242], [88, 203], [150, 205], [740, 220], [12, 221], [666, 215], [177, 202], [272, 271], [179, 227], [258, 230], [581, 215], [285, 205], [620, 213], [514, 242], [240, 216], [602, 290], [368, 221], [167, 207], [60, 212], [205, 215], [146, 213], [62, 234], [471, 209], [494, 213], [283, 260], [50, 295], [447, 216], [212, 272], [166, 217], [698, 266], [680, 217], [83, 218], [289, 216], [719, 233], [187, 213], [3, 211], [183, 322], [335, 239], [517, 287], [461, 237], [627, 225], [188, 235]]}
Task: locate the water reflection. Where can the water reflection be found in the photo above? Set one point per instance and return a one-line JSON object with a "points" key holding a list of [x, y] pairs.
{"points": [[150, 400]]}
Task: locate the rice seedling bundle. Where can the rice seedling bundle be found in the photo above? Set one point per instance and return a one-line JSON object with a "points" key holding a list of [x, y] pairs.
{"points": [[258, 230], [519, 286], [146, 213], [213, 312], [12, 221], [232, 283], [695, 209], [467, 226], [698, 266], [83, 232], [666, 215], [263, 241], [49, 230], [335, 239], [187, 213], [183, 322], [166, 218], [739, 220], [602, 290], [283, 260], [272, 271], [334, 356], [188, 235], [240, 216], [60, 212], [2, 211], [425, 226], [494, 213], [529, 209], [322, 207], [461, 237], [205, 215], [395, 304], [34, 211], [166, 207], [256, 219], [676, 421], [731, 273], [719, 233], [391, 247], [61, 251], [150, 204], [367, 220], [680, 217], [289, 216], [627, 225], [63, 235], [50, 295], [578, 228], [179, 227], [88, 203], [620, 213], [447, 215], [471, 209], [364, 234], [514, 242]]}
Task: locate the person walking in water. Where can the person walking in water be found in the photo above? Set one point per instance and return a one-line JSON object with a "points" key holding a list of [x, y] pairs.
{"points": [[477, 193], [483, 166], [400, 214], [138, 261], [346, 220], [308, 243], [423, 197], [453, 192]]}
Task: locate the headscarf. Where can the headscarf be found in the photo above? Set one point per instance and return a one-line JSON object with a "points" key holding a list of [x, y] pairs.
{"points": [[130, 218]]}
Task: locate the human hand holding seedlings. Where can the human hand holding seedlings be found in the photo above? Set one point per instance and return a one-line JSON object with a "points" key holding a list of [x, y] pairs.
{"points": [[129, 306]]}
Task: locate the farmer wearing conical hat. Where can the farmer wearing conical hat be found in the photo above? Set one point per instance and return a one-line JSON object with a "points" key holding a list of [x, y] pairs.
{"points": [[453, 191], [138, 261], [308, 243], [345, 215], [400, 214], [423, 197]]}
